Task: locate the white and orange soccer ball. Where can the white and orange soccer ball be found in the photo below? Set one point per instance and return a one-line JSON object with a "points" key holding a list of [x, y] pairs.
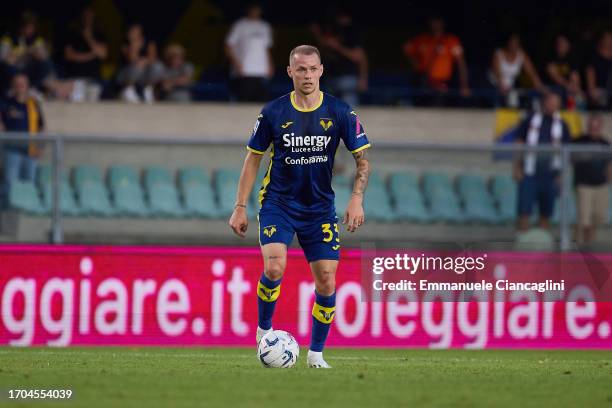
{"points": [[278, 349]]}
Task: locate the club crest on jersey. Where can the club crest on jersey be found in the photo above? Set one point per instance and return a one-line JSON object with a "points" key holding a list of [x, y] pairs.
{"points": [[269, 230], [326, 123], [286, 124]]}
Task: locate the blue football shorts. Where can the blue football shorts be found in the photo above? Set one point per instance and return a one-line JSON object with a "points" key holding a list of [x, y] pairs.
{"points": [[318, 236]]}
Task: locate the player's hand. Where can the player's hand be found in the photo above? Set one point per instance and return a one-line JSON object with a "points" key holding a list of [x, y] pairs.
{"points": [[354, 216], [239, 221]]}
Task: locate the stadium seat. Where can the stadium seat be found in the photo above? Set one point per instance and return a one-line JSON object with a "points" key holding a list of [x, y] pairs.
{"points": [[377, 204], [91, 192], [199, 201], [45, 175], [505, 194], [556, 217], [477, 201], [122, 176], [86, 173], [341, 180], [407, 198], [129, 201], [93, 199], [68, 204], [342, 198], [433, 182], [128, 196], [193, 175], [23, 196], [441, 197], [157, 175], [226, 182], [403, 182], [164, 200], [444, 206]]}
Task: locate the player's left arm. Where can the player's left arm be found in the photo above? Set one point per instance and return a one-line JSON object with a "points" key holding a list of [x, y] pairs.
{"points": [[354, 215]]}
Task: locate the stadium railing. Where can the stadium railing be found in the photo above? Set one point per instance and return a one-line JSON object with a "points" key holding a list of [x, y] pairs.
{"points": [[478, 163]]}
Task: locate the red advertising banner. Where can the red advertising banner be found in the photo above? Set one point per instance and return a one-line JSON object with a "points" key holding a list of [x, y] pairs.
{"points": [[114, 295]]}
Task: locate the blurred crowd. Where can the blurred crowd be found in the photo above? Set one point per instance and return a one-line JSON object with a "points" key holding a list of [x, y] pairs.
{"points": [[438, 76]]}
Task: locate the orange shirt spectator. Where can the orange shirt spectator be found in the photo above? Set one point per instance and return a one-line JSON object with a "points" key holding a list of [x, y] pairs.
{"points": [[434, 55]]}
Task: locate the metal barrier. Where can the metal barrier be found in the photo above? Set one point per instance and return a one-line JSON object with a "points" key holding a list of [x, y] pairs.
{"points": [[565, 152]]}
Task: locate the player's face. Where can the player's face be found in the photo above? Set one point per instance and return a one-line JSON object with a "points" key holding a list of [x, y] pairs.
{"points": [[306, 71]]}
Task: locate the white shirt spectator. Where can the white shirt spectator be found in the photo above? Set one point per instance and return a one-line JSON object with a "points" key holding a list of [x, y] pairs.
{"points": [[250, 40]]}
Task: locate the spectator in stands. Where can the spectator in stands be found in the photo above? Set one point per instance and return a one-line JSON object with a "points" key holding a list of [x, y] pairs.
{"points": [[142, 69], [507, 64], [434, 55], [346, 62], [562, 70], [591, 175], [248, 47], [599, 73], [20, 112], [84, 53], [538, 174], [27, 52], [177, 76]]}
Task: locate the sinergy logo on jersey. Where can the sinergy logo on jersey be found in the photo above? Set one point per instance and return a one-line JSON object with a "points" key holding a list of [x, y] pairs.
{"points": [[306, 144]]}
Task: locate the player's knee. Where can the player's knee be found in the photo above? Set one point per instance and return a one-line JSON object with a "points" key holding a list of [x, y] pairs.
{"points": [[325, 283], [274, 270]]}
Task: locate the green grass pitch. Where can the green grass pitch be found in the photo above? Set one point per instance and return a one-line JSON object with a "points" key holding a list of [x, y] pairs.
{"points": [[210, 377]]}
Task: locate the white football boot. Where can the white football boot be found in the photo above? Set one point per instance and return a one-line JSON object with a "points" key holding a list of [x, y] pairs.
{"points": [[260, 333], [315, 360]]}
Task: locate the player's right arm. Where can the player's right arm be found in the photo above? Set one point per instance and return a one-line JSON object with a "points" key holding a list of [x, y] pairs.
{"points": [[239, 221], [258, 144]]}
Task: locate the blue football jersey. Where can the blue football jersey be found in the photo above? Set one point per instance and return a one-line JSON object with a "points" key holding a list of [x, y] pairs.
{"points": [[304, 143]]}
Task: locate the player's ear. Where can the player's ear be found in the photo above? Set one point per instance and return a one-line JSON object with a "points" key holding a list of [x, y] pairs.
{"points": [[322, 69], [289, 71]]}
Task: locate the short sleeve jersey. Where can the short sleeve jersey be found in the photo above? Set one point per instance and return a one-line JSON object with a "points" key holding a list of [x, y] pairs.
{"points": [[304, 144]]}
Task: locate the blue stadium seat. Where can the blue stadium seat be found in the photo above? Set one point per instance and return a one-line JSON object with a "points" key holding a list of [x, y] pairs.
{"points": [[68, 204], [45, 175], [93, 199], [342, 180], [341, 202], [442, 199], [407, 198], [556, 217], [226, 183], [122, 176], [164, 200], [505, 194], [86, 174], [157, 175], [434, 181], [193, 175], [127, 193], [199, 201], [377, 204], [128, 199], [91, 192], [477, 201], [23, 196], [444, 206]]}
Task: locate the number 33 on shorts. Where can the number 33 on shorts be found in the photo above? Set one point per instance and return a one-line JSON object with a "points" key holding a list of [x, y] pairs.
{"points": [[331, 235]]}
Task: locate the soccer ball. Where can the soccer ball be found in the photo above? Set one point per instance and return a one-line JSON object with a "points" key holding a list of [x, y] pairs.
{"points": [[278, 349]]}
